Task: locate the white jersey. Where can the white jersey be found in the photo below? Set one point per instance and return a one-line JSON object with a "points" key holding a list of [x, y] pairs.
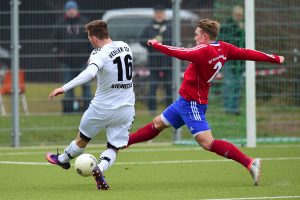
{"points": [[113, 66], [114, 78]]}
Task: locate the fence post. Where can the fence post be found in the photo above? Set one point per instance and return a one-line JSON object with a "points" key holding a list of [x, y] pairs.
{"points": [[15, 70], [250, 74], [175, 62]]}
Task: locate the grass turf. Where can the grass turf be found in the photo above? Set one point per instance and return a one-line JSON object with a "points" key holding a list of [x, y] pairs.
{"points": [[140, 174]]}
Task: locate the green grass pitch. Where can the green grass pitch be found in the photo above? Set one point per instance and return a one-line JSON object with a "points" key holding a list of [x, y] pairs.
{"points": [[153, 172]]}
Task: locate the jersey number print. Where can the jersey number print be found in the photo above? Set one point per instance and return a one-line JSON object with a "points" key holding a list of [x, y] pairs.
{"points": [[218, 67], [128, 67]]}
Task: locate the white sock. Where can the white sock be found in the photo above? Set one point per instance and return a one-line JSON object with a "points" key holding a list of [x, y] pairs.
{"points": [[107, 158], [71, 152]]}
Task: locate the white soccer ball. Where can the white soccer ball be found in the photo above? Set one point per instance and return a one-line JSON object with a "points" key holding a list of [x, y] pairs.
{"points": [[84, 164]]}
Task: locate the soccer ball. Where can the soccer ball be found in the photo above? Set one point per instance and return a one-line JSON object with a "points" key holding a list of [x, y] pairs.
{"points": [[84, 164]]}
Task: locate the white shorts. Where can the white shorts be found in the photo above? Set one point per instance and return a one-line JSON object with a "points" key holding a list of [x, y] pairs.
{"points": [[117, 123]]}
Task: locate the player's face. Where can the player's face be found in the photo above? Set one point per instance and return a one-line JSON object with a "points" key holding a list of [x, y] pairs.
{"points": [[200, 36]]}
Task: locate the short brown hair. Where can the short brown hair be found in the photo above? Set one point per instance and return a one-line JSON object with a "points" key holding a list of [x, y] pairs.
{"points": [[210, 27], [97, 28]]}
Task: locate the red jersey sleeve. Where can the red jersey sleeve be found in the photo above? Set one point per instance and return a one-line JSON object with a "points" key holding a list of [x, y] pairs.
{"points": [[190, 54], [236, 53]]}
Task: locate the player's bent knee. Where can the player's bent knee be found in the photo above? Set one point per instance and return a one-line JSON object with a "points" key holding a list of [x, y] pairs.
{"points": [[84, 137], [206, 145], [82, 140], [158, 123], [204, 139], [116, 149]]}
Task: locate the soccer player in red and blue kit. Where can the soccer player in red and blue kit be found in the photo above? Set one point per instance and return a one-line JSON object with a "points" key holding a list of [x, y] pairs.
{"points": [[206, 60]]}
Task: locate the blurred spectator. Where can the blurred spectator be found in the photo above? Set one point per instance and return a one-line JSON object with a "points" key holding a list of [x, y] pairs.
{"points": [[232, 31], [4, 59], [71, 45], [158, 64]]}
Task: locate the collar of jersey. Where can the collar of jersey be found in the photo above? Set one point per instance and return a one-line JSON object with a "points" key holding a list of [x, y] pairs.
{"points": [[216, 42]]}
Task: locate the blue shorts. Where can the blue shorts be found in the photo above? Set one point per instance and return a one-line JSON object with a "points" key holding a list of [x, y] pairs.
{"points": [[190, 113]]}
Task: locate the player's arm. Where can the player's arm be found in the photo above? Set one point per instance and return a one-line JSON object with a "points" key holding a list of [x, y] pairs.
{"points": [[85, 76], [190, 54], [236, 53]]}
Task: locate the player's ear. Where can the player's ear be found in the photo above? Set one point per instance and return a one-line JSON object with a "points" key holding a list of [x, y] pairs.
{"points": [[206, 35], [93, 38]]}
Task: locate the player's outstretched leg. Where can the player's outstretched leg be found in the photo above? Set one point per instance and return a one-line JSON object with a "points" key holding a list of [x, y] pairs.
{"points": [[255, 170], [53, 159], [230, 151], [143, 134]]}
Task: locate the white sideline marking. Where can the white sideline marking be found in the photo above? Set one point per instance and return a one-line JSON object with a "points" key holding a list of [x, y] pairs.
{"points": [[197, 161], [103, 146], [23, 163], [249, 198], [196, 148], [152, 162], [90, 145], [98, 151]]}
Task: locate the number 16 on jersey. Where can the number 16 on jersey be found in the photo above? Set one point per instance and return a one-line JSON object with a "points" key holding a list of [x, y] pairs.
{"points": [[128, 67]]}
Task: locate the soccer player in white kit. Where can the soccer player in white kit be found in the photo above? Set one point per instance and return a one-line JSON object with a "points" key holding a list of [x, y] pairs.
{"points": [[112, 108]]}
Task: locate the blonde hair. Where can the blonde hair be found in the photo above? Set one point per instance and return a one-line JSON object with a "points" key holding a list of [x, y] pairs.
{"points": [[210, 27]]}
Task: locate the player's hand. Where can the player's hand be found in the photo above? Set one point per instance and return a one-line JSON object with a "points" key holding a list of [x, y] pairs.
{"points": [[281, 59], [56, 92], [151, 42]]}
